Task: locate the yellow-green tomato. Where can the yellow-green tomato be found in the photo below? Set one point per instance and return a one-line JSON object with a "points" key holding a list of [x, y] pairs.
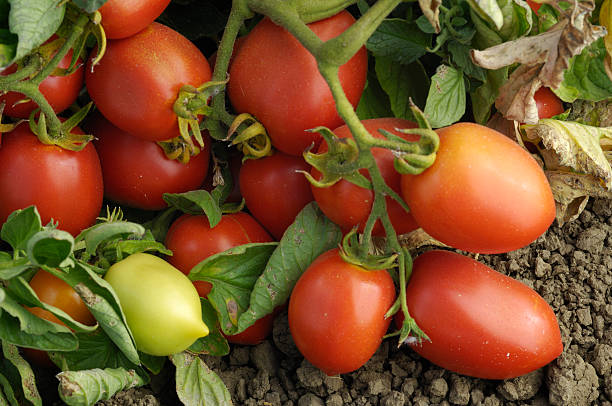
{"points": [[161, 305]]}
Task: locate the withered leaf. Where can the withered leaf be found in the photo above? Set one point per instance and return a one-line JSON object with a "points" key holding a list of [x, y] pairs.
{"points": [[431, 11]]}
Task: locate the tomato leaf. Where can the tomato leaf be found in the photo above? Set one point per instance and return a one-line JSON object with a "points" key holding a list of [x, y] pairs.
{"points": [[214, 343], [460, 54], [310, 235], [21, 290], [83, 388], [196, 384], [11, 353], [52, 248], [34, 22], [232, 274], [89, 6], [7, 395], [11, 268], [196, 202], [374, 102], [402, 83], [20, 327], [20, 226], [400, 40], [152, 363], [446, 99], [483, 97], [489, 10], [586, 76], [99, 233]]}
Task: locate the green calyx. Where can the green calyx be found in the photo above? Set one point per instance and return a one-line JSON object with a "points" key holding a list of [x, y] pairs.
{"points": [[251, 137], [351, 251], [62, 135]]}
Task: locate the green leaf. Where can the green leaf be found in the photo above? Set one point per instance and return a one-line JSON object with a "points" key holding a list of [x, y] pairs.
{"points": [[20, 327], [374, 102], [214, 343], [196, 384], [232, 274], [99, 233], [89, 6], [488, 10], [485, 36], [424, 25], [159, 225], [446, 99], [460, 55], [484, 96], [11, 353], [196, 202], [310, 235], [20, 226], [21, 290], [399, 40], [84, 388], [7, 395], [12, 268], [34, 22], [517, 19], [51, 248], [402, 83], [586, 76], [153, 363]]}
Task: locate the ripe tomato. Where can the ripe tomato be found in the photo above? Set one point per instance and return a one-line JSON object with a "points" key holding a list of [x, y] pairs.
{"points": [[55, 292], [137, 172], [137, 81], [484, 193], [191, 240], [274, 191], [347, 204], [161, 306], [65, 186], [124, 18], [276, 79], [481, 323], [60, 91], [548, 103], [336, 313]]}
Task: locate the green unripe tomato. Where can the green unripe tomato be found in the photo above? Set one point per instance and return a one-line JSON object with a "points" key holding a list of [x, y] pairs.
{"points": [[161, 305]]}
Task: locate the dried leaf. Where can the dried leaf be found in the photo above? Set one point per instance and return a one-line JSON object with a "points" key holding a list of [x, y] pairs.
{"points": [[576, 146], [543, 58], [431, 10], [418, 238], [572, 192]]}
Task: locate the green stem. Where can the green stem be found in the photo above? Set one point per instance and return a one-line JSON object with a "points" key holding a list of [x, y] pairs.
{"points": [[31, 65]]}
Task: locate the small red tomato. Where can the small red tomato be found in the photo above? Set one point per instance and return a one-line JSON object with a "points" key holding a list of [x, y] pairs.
{"points": [[124, 18], [349, 205], [254, 334], [65, 186], [337, 313], [275, 190], [548, 103], [137, 172], [484, 193], [481, 323], [60, 91]]}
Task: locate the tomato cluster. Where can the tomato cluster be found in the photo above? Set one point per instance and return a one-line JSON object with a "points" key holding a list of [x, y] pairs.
{"points": [[483, 194]]}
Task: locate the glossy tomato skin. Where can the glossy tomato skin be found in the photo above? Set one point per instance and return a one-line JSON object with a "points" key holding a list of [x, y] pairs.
{"points": [[55, 292], [336, 313], [548, 103], [484, 193], [191, 240], [137, 172], [65, 186], [60, 91], [274, 190], [124, 18], [348, 205], [137, 81], [481, 323], [276, 79]]}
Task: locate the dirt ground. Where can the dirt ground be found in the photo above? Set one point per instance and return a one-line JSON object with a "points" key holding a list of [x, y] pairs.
{"points": [[571, 267]]}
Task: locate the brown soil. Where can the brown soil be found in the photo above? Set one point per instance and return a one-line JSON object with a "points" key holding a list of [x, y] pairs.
{"points": [[571, 267]]}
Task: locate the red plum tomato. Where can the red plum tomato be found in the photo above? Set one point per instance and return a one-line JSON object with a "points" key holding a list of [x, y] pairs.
{"points": [[274, 78], [548, 103], [65, 186], [55, 292], [274, 190], [137, 172], [192, 240], [137, 81], [349, 205], [484, 193], [124, 18], [60, 91], [481, 323], [337, 313]]}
